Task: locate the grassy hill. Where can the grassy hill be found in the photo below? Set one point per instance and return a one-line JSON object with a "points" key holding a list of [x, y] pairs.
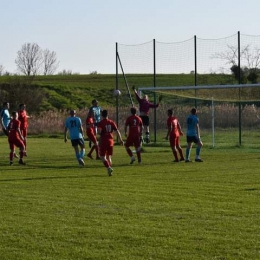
{"points": [[60, 92]]}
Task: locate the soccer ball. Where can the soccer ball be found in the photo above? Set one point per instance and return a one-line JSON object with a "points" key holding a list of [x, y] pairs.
{"points": [[117, 92]]}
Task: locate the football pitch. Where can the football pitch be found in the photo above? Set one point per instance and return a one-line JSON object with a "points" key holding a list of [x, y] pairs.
{"points": [[53, 209]]}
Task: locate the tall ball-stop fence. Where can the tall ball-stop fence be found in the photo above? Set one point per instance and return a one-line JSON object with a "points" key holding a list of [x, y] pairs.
{"points": [[218, 76]]}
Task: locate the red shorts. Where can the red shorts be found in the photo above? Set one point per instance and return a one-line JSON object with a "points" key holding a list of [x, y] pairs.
{"points": [[16, 143], [174, 141], [133, 141], [103, 151]]}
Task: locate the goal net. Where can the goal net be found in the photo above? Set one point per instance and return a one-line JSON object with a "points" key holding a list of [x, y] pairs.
{"points": [[229, 114]]}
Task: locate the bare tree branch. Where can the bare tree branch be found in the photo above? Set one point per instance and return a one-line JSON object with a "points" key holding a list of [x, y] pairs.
{"points": [[29, 59], [1, 70], [231, 55], [251, 58], [50, 63]]}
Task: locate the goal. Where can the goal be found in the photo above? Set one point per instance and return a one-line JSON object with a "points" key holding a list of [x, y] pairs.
{"points": [[229, 114]]}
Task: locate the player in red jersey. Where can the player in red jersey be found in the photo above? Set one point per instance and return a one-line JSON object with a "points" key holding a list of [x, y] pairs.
{"points": [[174, 132], [135, 125], [23, 118], [106, 127], [91, 134], [15, 138], [144, 107]]}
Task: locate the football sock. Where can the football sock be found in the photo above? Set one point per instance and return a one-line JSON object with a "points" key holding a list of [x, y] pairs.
{"points": [[138, 156], [187, 153], [197, 152], [92, 149], [11, 156], [110, 161], [106, 163], [96, 148], [175, 155], [21, 154], [147, 135], [77, 156], [130, 153], [82, 153], [181, 153]]}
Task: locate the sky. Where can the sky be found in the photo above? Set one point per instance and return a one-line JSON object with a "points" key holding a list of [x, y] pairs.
{"points": [[83, 33]]}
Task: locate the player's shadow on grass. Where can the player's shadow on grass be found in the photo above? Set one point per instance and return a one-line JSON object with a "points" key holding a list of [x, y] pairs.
{"points": [[34, 166], [63, 167], [89, 175]]}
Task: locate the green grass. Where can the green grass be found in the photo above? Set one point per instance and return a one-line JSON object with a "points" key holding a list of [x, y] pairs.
{"points": [[52, 209], [63, 91]]}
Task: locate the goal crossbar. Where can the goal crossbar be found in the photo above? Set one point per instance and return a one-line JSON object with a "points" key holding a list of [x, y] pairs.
{"points": [[197, 87]]}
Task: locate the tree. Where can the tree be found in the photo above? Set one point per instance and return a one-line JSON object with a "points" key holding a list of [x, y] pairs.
{"points": [[17, 90], [50, 63], [239, 74], [29, 59], [250, 56], [65, 72], [1, 70]]}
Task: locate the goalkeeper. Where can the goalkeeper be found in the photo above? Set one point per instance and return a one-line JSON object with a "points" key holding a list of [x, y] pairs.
{"points": [[144, 107]]}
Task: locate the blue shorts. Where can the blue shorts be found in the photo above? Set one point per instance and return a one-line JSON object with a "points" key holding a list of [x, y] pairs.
{"points": [[192, 139], [79, 142]]}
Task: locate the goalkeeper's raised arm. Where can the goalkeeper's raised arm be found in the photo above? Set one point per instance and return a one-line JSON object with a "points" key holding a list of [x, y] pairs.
{"points": [[144, 107]]}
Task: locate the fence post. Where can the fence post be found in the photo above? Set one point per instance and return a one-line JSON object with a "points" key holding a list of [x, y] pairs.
{"points": [[154, 84], [239, 82], [195, 68], [117, 105], [213, 121]]}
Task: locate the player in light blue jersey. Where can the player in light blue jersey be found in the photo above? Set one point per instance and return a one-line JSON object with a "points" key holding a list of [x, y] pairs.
{"points": [[96, 109], [193, 135], [74, 125], [5, 117]]}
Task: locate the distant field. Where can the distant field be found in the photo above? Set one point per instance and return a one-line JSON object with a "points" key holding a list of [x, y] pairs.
{"points": [[53, 209]]}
